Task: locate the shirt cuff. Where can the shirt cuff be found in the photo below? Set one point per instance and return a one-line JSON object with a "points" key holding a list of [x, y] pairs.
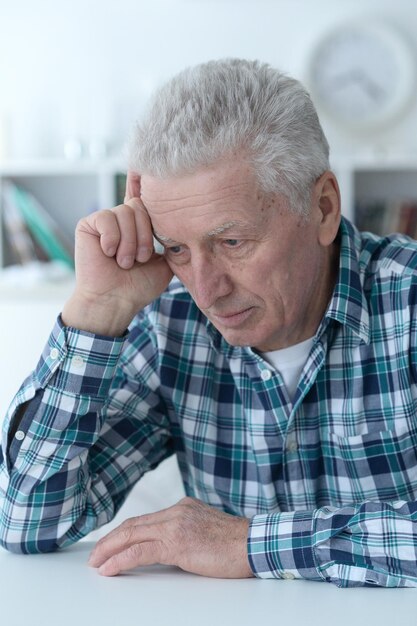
{"points": [[78, 361], [280, 545]]}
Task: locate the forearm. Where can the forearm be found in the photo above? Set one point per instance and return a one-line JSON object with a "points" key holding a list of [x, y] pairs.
{"points": [[45, 457]]}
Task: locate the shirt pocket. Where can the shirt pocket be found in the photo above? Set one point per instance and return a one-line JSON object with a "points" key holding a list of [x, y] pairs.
{"points": [[380, 465]]}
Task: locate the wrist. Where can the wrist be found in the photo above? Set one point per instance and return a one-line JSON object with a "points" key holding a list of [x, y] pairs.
{"points": [[100, 316]]}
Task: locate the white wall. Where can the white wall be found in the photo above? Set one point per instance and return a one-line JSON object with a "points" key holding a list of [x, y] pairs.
{"points": [[84, 67]]}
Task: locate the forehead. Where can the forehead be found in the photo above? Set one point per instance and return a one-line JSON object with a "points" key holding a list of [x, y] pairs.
{"points": [[224, 197], [224, 184]]}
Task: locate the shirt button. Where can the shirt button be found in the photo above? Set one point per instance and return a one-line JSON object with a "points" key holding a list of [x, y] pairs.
{"points": [[287, 576], [54, 353], [77, 361], [20, 435], [266, 374], [292, 446]]}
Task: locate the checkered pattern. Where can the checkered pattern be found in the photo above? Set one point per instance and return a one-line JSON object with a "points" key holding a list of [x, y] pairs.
{"points": [[329, 481]]}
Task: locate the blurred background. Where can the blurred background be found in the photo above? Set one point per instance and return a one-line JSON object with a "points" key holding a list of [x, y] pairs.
{"points": [[74, 76], [82, 70]]}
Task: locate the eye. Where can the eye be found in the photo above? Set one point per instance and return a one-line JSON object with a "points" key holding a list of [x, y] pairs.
{"points": [[174, 250], [232, 243], [178, 254]]}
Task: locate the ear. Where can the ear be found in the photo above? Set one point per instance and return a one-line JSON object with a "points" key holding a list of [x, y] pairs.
{"points": [[326, 198]]}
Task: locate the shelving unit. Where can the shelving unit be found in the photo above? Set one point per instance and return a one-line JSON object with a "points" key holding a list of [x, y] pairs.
{"points": [[70, 190], [385, 181], [67, 191]]}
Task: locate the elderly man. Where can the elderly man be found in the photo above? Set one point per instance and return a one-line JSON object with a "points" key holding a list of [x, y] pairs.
{"points": [[271, 347]]}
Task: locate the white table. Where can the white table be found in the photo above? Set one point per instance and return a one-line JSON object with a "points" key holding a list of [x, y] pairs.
{"points": [[59, 589]]}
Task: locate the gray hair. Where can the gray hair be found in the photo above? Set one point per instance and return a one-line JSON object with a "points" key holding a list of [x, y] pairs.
{"points": [[207, 112]]}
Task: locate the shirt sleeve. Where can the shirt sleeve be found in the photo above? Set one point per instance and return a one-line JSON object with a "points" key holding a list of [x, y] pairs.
{"points": [[369, 544], [94, 424]]}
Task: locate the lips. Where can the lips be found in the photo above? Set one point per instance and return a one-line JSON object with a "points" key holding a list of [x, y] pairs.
{"points": [[232, 319]]}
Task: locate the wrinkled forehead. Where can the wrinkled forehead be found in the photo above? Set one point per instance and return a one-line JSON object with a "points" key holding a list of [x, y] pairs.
{"points": [[223, 180], [209, 202]]}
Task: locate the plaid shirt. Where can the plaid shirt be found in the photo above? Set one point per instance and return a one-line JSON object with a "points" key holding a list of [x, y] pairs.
{"points": [[328, 480]]}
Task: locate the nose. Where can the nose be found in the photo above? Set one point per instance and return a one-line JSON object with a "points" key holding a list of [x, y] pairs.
{"points": [[210, 280]]}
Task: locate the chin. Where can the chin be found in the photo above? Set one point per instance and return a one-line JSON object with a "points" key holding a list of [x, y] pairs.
{"points": [[240, 340]]}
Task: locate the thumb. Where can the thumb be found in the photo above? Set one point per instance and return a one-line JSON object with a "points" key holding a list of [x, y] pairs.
{"points": [[132, 186], [144, 232]]}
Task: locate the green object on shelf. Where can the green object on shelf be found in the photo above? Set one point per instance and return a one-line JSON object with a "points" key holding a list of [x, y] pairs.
{"points": [[42, 226], [120, 187]]}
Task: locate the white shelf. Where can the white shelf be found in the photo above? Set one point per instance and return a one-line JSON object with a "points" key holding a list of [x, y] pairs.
{"points": [[53, 167], [377, 161]]}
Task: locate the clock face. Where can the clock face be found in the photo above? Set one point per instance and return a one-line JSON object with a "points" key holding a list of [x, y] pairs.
{"points": [[363, 76]]}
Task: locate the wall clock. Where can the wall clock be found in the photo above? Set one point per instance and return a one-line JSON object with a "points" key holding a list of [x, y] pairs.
{"points": [[363, 75]]}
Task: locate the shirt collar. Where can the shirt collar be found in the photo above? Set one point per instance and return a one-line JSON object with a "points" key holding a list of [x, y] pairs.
{"points": [[219, 343], [348, 304]]}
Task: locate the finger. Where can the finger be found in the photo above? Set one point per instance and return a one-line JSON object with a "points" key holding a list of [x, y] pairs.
{"points": [[149, 527], [132, 186], [139, 554], [144, 235], [126, 534], [104, 224], [126, 537], [126, 250], [104, 545], [141, 520]]}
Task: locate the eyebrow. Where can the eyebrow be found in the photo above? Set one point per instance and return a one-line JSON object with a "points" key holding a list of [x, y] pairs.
{"points": [[162, 238], [222, 228]]}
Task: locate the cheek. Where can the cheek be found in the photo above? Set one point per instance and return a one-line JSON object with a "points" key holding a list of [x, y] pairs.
{"points": [[264, 273], [278, 285], [260, 280]]}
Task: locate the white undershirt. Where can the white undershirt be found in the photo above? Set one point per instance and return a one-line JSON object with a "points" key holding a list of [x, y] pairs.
{"points": [[290, 362]]}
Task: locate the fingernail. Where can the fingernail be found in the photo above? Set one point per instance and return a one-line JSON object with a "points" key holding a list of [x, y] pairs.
{"points": [[143, 254]]}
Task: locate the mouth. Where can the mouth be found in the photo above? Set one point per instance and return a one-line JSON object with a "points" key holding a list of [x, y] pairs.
{"points": [[234, 319]]}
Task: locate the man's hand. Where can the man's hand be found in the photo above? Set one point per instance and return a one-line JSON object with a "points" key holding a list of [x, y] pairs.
{"points": [[191, 535], [117, 271]]}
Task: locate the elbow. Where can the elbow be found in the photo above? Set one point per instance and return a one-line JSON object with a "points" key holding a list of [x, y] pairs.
{"points": [[16, 543]]}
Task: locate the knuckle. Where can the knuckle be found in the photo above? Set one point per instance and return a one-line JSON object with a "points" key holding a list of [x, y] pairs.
{"points": [[127, 246], [145, 234], [185, 500], [123, 209], [126, 534], [179, 529], [105, 216], [134, 552], [80, 223], [104, 221], [100, 543]]}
